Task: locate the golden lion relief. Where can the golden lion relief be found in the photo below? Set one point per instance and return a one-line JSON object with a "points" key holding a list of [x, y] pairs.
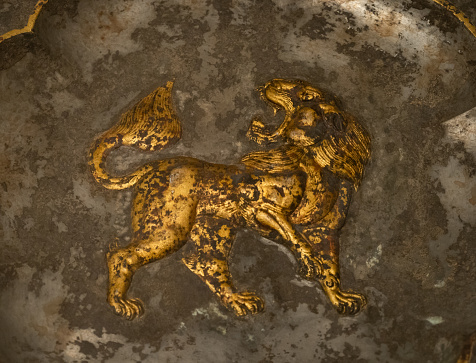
{"points": [[297, 194]]}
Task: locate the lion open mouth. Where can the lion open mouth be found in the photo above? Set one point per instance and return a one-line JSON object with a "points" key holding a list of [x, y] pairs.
{"points": [[279, 101], [276, 107], [276, 94]]}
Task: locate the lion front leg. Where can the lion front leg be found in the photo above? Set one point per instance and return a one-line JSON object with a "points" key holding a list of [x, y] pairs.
{"points": [[310, 265], [345, 302], [213, 239], [324, 243]]}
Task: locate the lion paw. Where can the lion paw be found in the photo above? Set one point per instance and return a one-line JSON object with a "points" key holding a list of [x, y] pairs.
{"points": [[257, 132], [128, 308], [244, 303], [348, 302]]}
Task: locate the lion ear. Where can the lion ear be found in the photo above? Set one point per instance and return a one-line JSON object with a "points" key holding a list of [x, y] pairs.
{"points": [[337, 121], [333, 116]]}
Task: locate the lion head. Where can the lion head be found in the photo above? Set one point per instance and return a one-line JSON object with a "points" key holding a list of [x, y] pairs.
{"points": [[313, 125]]}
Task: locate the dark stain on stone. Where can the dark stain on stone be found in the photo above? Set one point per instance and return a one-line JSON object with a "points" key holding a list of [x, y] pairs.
{"points": [[87, 348], [317, 28]]}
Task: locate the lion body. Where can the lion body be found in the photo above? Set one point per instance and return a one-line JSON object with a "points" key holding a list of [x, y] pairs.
{"points": [[185, 199], [228, 192]]}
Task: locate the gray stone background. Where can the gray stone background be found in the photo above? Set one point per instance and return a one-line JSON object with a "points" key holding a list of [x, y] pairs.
{"points": [[405, 69]]}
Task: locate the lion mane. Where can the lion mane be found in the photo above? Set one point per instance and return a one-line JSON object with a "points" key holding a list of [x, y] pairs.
{"points": [[344, 149]]}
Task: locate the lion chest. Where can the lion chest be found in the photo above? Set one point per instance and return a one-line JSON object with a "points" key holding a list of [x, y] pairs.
{"points": [[278, 192], [318, 199]]}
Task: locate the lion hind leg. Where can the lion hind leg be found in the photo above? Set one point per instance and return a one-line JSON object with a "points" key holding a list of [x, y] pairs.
{"points": [[213, 239], [120, 265], [123, 262], [161, 225]]}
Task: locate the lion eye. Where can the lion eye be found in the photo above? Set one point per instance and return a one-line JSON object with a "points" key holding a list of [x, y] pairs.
{"points": [[307, 96]]}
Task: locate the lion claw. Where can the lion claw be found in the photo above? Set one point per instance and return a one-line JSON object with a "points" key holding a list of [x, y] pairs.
{"points": [[348, 303], [245, 303], [128, 308]]}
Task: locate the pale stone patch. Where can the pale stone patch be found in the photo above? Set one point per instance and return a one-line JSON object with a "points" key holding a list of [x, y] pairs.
{"points": [[435, 320], [375, 259], [463, 128]]}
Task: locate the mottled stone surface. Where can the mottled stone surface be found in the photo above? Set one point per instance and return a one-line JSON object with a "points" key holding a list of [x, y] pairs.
{"points": [[405, 70]]}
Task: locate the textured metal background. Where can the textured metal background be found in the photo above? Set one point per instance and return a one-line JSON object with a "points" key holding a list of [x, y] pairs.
{"points": [[406, 70]]}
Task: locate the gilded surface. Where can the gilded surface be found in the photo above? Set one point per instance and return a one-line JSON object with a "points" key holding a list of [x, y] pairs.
{"points": [[458, 14], [296, 194], [28, 28]]}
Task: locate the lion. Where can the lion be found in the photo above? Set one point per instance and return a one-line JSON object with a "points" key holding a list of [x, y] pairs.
{"points": [[296, 194]]}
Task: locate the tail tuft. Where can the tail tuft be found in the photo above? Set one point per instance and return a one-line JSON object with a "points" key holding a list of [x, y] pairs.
{"points": [[150, 125]]}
